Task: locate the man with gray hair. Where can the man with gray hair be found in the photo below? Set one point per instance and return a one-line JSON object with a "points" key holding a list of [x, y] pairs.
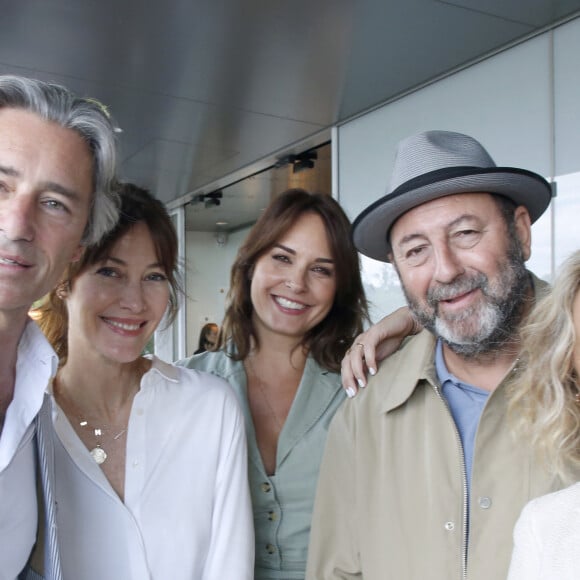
{"points": [[57, 166], [422, 476]]}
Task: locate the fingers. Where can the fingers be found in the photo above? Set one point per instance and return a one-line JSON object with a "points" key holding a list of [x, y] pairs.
{"points": [[375, 344], [349, 382], [369, 354], [357, 362]]}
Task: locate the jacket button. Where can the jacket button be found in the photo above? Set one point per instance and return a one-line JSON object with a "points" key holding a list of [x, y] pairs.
{"points": [[485, 502], [449, 526], [270, 548], [272, 516], [266, 487]]}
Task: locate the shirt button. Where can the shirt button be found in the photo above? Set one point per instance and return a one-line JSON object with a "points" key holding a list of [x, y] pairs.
{"points": [[270, 548], [485, 502], [266, 487], [449, 526], [272, 516], [135, 463], [140, 412]]}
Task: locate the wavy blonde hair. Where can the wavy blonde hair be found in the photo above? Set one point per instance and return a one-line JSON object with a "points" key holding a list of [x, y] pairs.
{"points": [[544, 401]]}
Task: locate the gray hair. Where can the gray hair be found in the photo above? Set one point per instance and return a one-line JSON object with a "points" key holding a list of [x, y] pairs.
{"points": [[92, 122]]}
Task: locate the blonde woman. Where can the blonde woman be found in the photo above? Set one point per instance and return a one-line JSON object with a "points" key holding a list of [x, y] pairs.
{"points": [[546, 405]]}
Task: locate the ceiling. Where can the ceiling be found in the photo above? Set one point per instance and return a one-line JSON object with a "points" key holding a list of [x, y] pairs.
{"points": [[206, 92]]}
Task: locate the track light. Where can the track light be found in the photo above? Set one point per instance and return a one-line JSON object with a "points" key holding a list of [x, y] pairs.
{"points": [[212, 199], [299, 162]]}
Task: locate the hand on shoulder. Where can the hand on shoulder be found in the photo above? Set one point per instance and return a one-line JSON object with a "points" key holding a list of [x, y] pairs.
{"points": [[374, 345]]}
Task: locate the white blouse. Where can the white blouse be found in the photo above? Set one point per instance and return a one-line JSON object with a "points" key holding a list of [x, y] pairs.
{"points": [[547, 538], [187, 513]]}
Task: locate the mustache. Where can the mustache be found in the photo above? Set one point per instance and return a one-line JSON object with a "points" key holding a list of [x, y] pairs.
{"points": [[17, 251], [459, 286]]}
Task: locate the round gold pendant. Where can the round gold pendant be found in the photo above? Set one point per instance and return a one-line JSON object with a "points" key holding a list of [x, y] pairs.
{"points": [[98, 454]]}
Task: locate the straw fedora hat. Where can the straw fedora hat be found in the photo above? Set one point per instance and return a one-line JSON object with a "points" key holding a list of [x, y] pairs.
{"points": [[434, 164]]}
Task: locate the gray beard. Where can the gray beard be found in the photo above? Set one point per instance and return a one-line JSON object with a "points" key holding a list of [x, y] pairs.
{"points": [[486, 327]]}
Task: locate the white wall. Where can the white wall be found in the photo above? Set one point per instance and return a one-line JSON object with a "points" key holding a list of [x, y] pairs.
{"points": [[510, 103], [207, 272], [567, 98]]}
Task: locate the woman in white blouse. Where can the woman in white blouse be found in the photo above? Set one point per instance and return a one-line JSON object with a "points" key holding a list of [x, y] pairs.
{"points": [[150, 458], [546, 404]]}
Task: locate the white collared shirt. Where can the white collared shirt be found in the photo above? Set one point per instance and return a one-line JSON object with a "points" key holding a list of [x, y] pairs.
{"points": [[187, 510], [35, 366]]}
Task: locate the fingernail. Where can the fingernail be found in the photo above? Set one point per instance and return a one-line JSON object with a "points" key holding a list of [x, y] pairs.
{"points": [[373, 372], [350, 392], [361, 383]]}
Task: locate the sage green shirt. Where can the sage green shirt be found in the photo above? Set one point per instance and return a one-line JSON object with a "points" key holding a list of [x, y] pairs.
{"points": [[283, 502]]}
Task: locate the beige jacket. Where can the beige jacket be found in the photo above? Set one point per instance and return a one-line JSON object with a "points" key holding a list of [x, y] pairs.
{"points": [[391, 500]]}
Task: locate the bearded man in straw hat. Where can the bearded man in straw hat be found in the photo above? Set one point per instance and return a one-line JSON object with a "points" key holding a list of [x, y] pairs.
{"points": [[422, 477]]}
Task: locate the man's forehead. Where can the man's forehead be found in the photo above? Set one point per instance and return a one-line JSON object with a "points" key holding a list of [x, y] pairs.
{"points": [[15, 121], [447, 209], [31, 144]]}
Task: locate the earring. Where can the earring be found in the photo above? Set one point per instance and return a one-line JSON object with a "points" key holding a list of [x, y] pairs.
{"points": [[62, 290]]}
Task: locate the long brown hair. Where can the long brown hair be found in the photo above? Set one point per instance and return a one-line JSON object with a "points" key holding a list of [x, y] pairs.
{"points": [[328, 340], [137, 205]]}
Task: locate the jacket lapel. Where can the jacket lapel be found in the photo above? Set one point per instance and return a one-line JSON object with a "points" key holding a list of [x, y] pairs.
{"points": [[317, 389]]}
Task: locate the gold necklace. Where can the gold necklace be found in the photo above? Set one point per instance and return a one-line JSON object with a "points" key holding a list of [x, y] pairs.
{"points": [[97, 452]]}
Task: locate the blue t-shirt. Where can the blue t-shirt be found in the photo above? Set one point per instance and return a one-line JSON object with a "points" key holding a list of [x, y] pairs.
{"points": [[466, 404]]}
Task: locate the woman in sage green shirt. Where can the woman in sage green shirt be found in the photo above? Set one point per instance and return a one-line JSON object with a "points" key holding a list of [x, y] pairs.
{"points": [[295, 304]]}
